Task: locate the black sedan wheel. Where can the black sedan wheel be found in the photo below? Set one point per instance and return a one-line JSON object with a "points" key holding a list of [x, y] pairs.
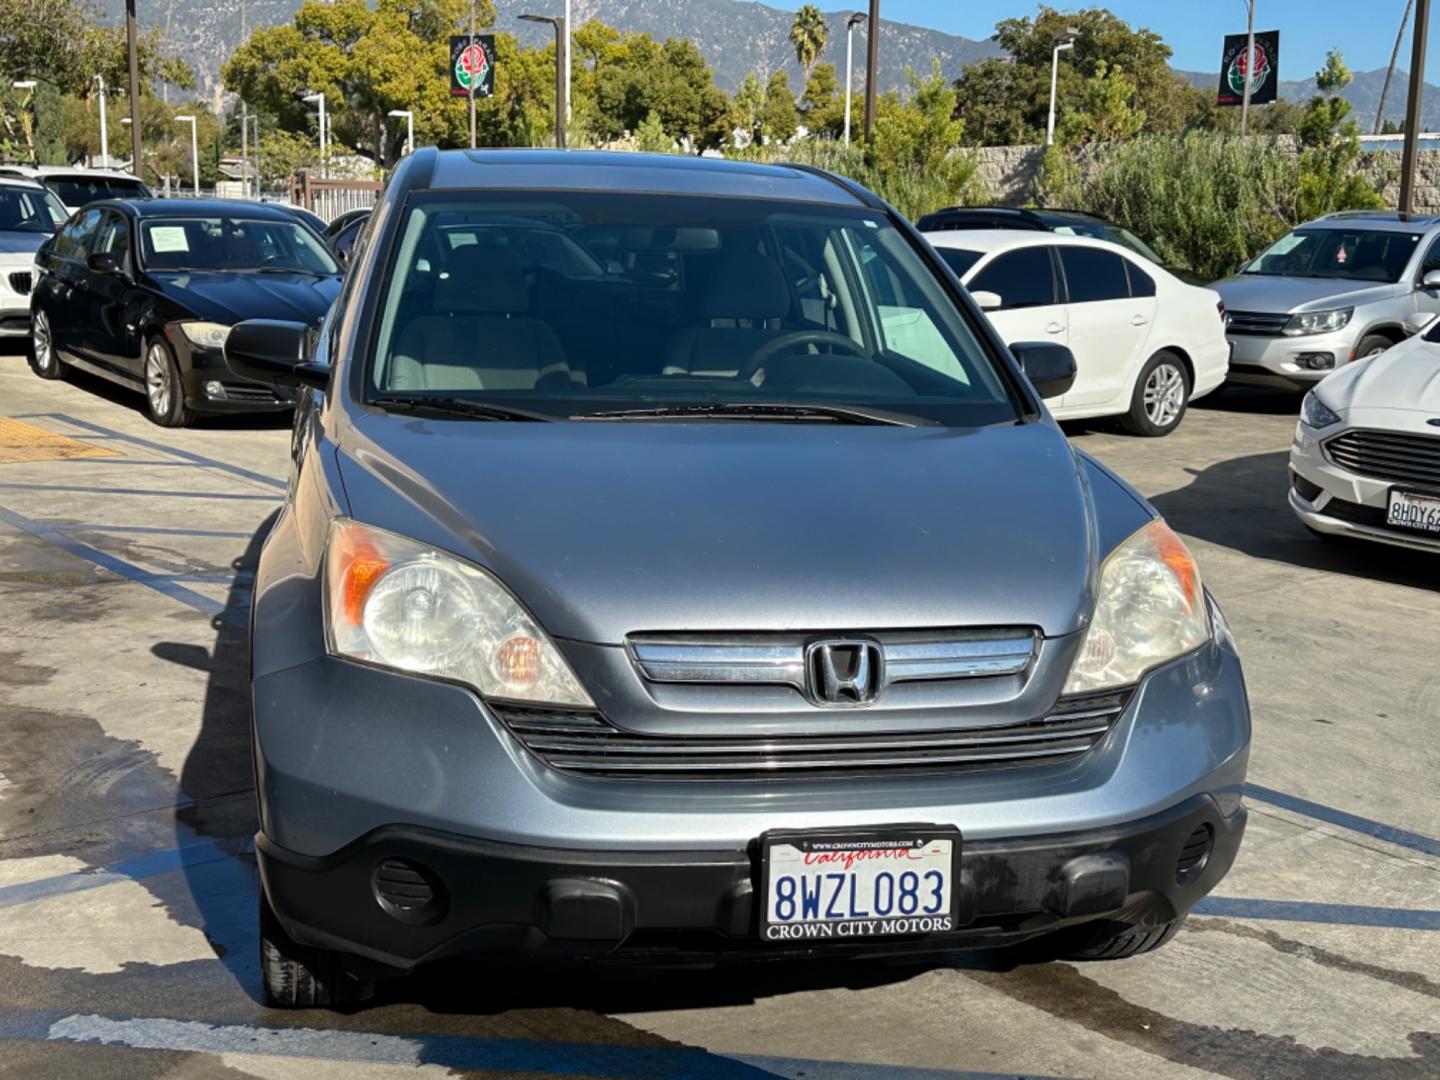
{"points": [[43, 358], [164, 393]]}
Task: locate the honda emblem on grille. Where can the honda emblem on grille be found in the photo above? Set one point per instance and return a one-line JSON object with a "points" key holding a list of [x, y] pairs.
{"points": [[844, 672]]}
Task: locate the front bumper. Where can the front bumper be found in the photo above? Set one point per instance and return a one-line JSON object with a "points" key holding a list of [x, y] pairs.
{"points": [[201, 368], [14, 316], [1258, 360], [700, 906]]}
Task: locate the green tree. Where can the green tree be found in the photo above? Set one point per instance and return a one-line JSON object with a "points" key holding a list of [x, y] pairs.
{"points": [[822, 108], [779, 119], [808, 34], [66, 42], [650, 136], [631, 75], [1007, 101], [748, 106], [1330, 148], [1105, 110]]}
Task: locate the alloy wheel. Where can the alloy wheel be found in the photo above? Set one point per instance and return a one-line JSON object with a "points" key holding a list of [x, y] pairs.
{"points": [[40, 339], [157, 379], [1164, 395]]}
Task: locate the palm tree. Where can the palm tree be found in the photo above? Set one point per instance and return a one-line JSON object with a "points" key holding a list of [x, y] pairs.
{"points": [[808, 34]]}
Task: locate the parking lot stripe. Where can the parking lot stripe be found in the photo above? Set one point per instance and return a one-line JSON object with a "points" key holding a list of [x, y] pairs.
{"points": [[1307, 911], [1346, 820], [161, 583], [136, 869], [156, 492], [188, 455], [159, 530], [450, 1051]]}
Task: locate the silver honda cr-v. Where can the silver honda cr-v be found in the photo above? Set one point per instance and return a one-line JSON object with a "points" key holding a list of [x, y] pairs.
{"points": [[678, 568]]}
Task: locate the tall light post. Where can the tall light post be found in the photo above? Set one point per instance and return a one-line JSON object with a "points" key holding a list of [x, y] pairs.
{"points": [[409, 127], [259, 187], [132, 48], [850, 25], [562, 65], [567, 61], [1068, 42], [28, 84], [872, 60], [1412, 107], [194, 151], [104, 134], [1249, 68], [319, 99]]}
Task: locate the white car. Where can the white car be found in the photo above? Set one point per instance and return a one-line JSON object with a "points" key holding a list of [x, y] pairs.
{"points": [[1145, 343], [77, 186], [1365, 460], [29, 215]]}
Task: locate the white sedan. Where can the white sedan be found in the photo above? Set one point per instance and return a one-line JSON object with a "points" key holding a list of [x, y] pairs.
{"points": [[1365, 460], [1146, 344]]}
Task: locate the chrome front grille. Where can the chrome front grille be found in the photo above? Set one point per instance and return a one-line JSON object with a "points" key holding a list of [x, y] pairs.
{"points": [[1258, 323], [1388, 455], [588, 744], [780, 659], [21, 282]]}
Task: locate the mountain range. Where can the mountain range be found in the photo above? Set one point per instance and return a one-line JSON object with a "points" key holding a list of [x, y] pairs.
{"points": [[735, 36]]}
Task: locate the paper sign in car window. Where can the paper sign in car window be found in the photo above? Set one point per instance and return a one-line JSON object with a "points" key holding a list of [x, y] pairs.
{"points": [[168, 238]]}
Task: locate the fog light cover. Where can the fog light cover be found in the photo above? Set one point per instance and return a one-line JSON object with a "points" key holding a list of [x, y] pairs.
{"points": [[214, 389]]}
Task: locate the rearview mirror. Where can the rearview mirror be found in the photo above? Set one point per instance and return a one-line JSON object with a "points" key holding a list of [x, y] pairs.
{"points": [[1049, 367], [988, 301], [103, 262], [274, 352], [1431, 280]]}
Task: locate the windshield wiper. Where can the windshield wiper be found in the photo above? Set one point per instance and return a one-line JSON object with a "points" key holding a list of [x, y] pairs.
{"points": [[454, 406], [739, 410]]}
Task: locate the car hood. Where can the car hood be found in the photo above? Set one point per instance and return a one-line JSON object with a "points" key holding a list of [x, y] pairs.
{"points": [[231, 297], [1405, 377], [609, 528], [21, 243], [1261, 292]]}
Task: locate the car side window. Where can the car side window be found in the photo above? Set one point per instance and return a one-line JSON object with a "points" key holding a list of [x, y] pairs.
{"points": [[84, 235], [114, 238], [1021, 279], [1141, 283], [1431, 260], [1093, 275]]}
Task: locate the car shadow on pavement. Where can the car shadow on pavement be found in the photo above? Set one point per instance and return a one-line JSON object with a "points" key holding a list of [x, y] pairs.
{"points": [[1241, 504]]}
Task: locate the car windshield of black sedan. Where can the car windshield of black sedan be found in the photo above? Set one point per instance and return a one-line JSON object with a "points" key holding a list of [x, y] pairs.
{"points": [[231, 244], [585, 304]]}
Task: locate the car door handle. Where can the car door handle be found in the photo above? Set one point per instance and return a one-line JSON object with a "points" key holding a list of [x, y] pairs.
{"points": [[1139, 320], [1054, 328]]}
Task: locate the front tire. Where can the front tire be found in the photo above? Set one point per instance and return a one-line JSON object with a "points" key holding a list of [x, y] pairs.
{"points": [[1160, 398], [44, 360], [299, 976], [1372, 345], [164, 392]]}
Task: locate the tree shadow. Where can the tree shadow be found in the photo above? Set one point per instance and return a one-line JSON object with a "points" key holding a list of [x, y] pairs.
{"points": [[1242, 504]]}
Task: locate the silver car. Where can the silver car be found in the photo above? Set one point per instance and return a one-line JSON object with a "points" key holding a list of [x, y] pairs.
{"points": [[695, 574], [1329, 292]]}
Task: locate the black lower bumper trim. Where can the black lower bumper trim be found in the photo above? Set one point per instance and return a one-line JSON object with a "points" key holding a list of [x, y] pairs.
{"points": [[482, 897]]}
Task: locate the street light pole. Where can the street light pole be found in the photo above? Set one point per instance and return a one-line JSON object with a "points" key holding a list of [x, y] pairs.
{"points": [[1249, 69], [1412, 107], [872, 42], [468, 46], [259, 187], [104, 135], [562, 65], [567, 61], [409, 116], [850, 24], [1060, 46], [194, 151], [319, 99], [132, 44]]}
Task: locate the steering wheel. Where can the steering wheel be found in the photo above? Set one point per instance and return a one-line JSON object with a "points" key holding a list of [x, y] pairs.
{"points": [[795, 339]]}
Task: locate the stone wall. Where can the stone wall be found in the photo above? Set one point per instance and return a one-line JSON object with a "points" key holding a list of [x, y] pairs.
{"points": [[1010, 174]]}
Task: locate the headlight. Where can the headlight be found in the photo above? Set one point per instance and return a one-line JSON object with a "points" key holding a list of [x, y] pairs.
{"points": [[1150, 609], [206, 335], [1318, 322], [1316, 413], [399, 604]]}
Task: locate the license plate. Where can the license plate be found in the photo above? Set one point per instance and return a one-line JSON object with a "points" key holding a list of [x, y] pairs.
{"points": [[839, 886], [1409, 510]]}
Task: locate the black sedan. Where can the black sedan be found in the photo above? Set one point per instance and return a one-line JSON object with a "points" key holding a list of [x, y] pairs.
{"points": [[144, 294]]}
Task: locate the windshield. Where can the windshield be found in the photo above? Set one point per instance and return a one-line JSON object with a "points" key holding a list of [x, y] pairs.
{"points": [[232, 244], [1354, 254], [76, 191], [958, 259], [1100, 230], [587, 303], [30, 210]]}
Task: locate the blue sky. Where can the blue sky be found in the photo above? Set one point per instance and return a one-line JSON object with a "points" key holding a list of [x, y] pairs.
{"points": [[1364, 29]]}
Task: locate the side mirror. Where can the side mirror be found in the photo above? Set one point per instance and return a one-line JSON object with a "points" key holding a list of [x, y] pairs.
{"points": [[274, 352], [1431, 280], [1049, 367], [103, 262], [988, 301]]}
